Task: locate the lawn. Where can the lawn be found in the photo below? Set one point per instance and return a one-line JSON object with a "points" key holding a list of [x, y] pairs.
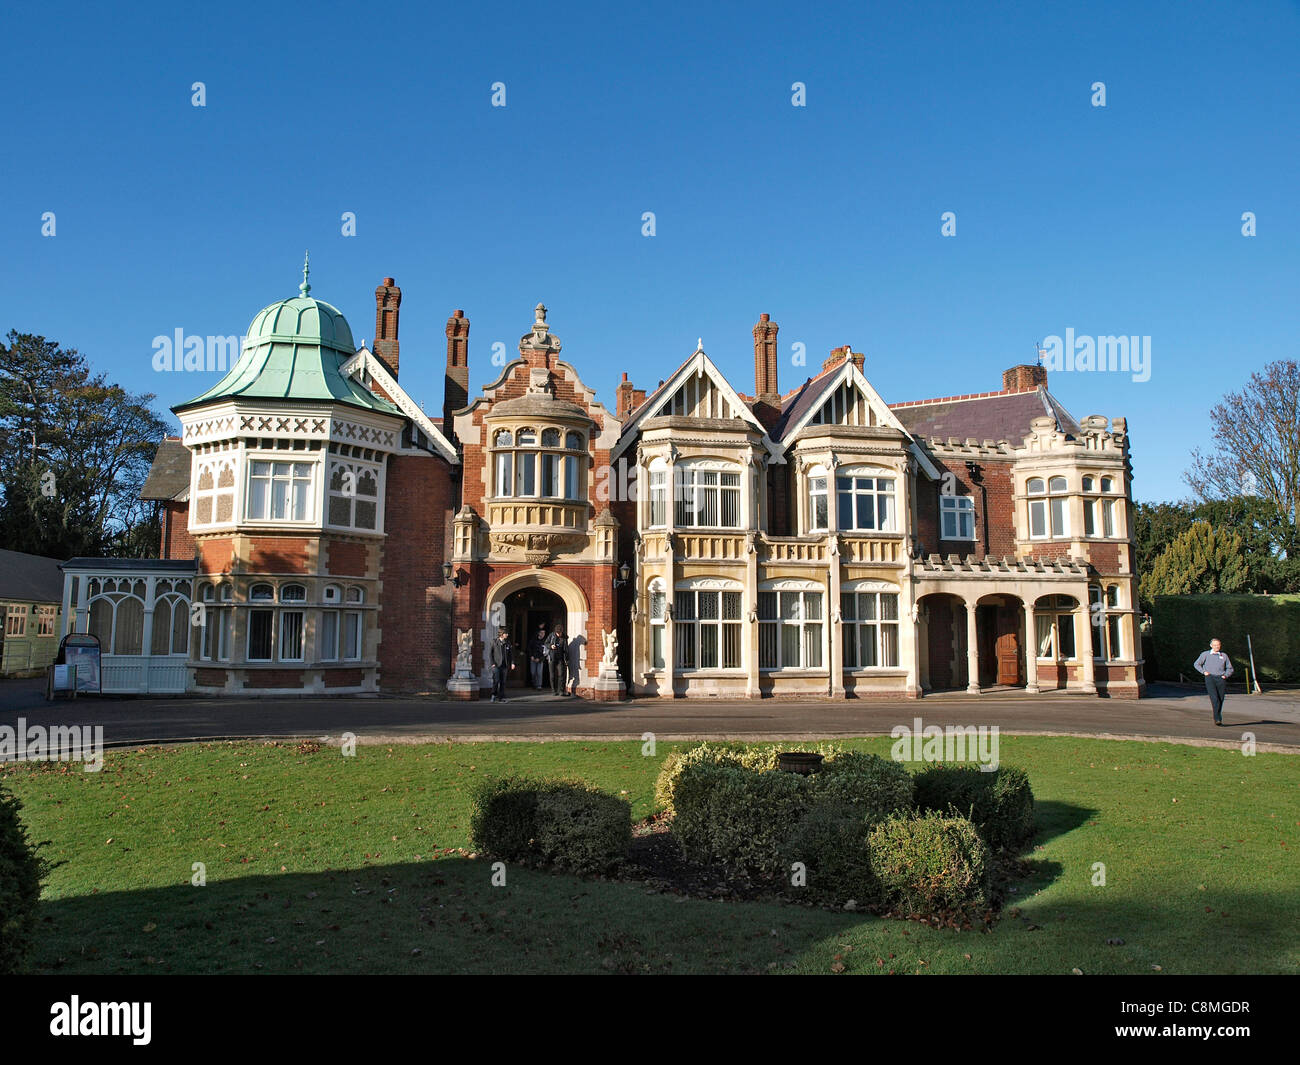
{"points": [[316, 862]]}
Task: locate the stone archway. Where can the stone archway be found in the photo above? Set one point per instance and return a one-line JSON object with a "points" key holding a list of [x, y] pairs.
{"points": [[495, 613]]}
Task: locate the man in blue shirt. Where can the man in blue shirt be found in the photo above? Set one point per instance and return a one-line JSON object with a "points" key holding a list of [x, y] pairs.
{"points": [[1216, 668]]}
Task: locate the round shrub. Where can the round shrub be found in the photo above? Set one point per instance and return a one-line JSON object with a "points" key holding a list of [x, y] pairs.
{"points": [[831, 841], [737, 818], [564, 823], [1000, 804], [582, 829], [931, 865], [876, 786], [21, 872]]}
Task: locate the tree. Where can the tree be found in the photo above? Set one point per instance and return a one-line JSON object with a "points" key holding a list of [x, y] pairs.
{"points": [[1257, 447], [74, 452], [1201, 560]]}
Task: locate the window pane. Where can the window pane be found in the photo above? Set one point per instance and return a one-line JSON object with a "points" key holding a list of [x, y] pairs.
{"points": [[291, 635], [866, 519], [684, 642], [1037, 518], [1058, 516], [819, 511], [790, 645], [867, 645], [571, 478], [731, 606], [889, 645], [731, 646], [730, 508], [1043, 623], [1108, 518], [505, 475], [128, 632], [767, 645], [1035, 486], [849, 646], [656, 647], [708, 605], [767, 606], [162, 624], [550, 438], [1056, 484], [1113, 636], [848, 606], [812, 605], [259, 635], [709, 646], [812, 646], [889, 606], [1089, 520], [1065, 629], [845, 516], [352, 636], [329, 636], [684, 606]]}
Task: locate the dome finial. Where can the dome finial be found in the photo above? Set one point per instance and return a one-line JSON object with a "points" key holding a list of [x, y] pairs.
{"points": [[305, 287]]}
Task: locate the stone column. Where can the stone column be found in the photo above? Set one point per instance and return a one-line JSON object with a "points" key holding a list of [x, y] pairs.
{"points": [[1083, 618], [972, 650], [1031, 648], [749, 645], [835, 625]]}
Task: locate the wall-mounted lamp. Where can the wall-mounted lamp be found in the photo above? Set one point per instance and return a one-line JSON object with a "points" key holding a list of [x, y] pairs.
{"points": [[624, 575], [449, 575]]}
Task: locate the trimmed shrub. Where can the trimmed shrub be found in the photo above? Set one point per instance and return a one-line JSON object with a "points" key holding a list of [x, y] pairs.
{"points": [[582, 829], [21, 872], [931, 865], [759, 759], [1000, 804], [737, 818], [831, 841], [876, 786], [563, 823]]}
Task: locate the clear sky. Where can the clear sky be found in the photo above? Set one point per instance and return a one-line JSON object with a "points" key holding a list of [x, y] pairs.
{"points": [[1123, 219]]}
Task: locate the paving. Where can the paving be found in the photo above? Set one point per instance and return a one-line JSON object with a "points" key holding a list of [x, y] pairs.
{"points": [[1169, 713]]}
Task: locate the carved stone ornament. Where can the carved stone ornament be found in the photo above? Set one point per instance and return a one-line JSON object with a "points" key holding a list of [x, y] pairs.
{"points": [[541, 338], [538, 549]]}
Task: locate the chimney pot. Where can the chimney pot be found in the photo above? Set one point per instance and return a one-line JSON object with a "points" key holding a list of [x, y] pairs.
{"points": [[388, 304]]}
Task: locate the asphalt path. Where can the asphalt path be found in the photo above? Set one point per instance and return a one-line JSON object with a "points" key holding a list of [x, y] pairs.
{"points": [[1169, 713]]}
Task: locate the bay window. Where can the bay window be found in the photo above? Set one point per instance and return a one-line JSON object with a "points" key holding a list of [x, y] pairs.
{"points": [[707, 629], [869, 629], [1054, 627], [545, 464], [707, 495], [866, 501], [279, 491], [1107, 622], [658, 602], [790, 629], [1048, 508], [818, 505]]}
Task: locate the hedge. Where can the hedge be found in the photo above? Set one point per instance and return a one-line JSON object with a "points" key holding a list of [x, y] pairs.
{"points": [[562, 823], [831, 841], [760, 758], [931, 865], [21, 871], [1182, 626], [1000, 804], [734, 809]]}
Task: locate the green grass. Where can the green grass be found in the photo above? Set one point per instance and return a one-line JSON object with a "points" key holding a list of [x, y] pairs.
{"points": [[319, 863]]}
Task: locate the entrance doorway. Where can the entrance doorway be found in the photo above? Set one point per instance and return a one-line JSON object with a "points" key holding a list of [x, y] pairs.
{"points": [[998, 625], [528, 610]]}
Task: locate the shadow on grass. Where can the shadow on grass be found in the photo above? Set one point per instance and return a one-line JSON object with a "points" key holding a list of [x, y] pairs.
{"points": [[436, 916], [1059, 818]]}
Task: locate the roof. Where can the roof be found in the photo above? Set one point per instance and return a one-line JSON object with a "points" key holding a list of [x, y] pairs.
{"points": [[805, 398], [30, 578], [985, 416], [293, 350], [141, 565], [169, 476]]}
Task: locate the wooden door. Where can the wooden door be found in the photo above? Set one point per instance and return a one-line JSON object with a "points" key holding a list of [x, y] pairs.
{"points": [[1008, 646]]}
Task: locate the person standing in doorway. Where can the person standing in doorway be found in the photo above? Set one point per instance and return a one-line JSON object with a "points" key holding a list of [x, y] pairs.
{"points": [[537, 656], [1216, 668], [500, 656], [557, 657]]}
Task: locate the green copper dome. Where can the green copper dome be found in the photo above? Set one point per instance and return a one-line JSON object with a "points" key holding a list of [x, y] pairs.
{"points": [[293, 351]]}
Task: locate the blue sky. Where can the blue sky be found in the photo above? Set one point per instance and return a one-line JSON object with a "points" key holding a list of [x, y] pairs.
{"points": [[1117, 220]]}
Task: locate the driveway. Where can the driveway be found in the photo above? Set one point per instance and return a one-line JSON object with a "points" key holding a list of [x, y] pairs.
{"points": [[1171, 713]]}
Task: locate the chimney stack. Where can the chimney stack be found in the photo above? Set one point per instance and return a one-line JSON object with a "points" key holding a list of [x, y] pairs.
{"points": [[624, 392], [388, 302], [767, 393], [1024, 377], [456, 384]]}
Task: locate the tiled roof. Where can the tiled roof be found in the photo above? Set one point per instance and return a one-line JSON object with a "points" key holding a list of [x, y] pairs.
{"points": [[30, 578], [169, 476], [983, 416], [801, 400]]}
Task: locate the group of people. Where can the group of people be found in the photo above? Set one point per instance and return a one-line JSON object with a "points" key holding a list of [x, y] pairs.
{"points": [[543, 652]]}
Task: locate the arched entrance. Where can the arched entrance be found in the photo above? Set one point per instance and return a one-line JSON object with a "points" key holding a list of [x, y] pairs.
{"points": [[528, 610], [518, 602], [1000, 624]]}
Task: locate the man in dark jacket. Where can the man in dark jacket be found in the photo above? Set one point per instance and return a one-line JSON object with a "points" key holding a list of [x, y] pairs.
{"points": [[557, 657], [1216, 668], [537, 656], [500, 661]]}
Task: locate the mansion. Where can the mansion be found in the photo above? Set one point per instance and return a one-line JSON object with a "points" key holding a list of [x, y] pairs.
{"points": [[322, 533]]}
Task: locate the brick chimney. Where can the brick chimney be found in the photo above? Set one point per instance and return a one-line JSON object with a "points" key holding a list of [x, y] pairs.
{"points": [[767, 393], [1024, 377], [624, 393], [388, 302], [455, 388]]}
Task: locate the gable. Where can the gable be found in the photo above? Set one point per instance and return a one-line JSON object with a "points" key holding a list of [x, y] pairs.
{"points": [[696, 390], [366, 365]]}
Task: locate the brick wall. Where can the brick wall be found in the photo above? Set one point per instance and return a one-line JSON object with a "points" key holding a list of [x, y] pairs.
{"points": [[176, 539], [996, 496], [345, 559], [415, 602]]}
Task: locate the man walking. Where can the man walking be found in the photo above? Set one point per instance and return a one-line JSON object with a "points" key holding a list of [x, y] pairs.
{"points": [[499, 660], [557, 657], [1216, 668], [536, 656]]}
